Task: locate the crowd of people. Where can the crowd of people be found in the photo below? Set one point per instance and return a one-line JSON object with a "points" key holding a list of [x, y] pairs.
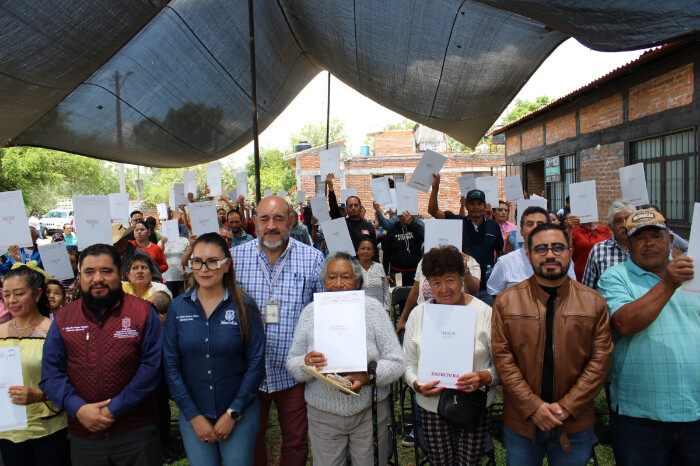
{"points": [[222, 323]]}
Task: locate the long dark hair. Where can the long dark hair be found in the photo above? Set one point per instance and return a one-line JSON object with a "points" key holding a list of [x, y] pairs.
{"points": [[36, 282], [229, 282]]}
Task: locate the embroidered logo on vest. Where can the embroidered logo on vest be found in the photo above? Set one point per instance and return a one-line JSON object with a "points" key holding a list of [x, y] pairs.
{"points": [[126, 331]]}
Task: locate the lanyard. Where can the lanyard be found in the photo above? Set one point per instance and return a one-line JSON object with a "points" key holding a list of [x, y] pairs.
{"points": [[277, 274]]}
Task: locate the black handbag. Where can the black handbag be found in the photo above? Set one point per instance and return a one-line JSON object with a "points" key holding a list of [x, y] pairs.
{"points": [[462, 409]]}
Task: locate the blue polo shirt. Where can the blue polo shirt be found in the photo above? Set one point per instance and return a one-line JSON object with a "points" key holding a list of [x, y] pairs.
{"points": [[655, 372], [480, 242]]}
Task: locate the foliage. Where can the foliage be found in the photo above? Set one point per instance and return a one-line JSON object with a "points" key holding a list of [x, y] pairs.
{"points": [[405, 124], [275, 173], [457, 146], [46, 175], [523, 107], [315, 134]]}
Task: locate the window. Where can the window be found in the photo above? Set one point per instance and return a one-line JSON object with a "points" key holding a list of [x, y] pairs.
{"points": [[320, 185], [479, 174], [396, 177], [671, 169], [557, 191]]}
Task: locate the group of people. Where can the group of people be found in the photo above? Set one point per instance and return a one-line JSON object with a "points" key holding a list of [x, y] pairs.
{"points": [[222, 324]]}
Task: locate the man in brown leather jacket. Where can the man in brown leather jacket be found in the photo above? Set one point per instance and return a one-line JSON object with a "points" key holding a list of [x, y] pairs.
{"points": [[551, 346]]}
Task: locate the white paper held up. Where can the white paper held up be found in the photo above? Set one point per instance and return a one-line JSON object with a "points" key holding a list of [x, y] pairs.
{"points": [[170, 230], [512, 188], [119, 207], [330, 162], [92, 220], [162, 211], [214, 178], [406, 199], [337, 236], [346, 193], [301, 195], [54, 257], [179, 194], [13, 221], [584, 201], [171, 200], [489, 185], [693, 286], [267, 193], [466, 183], [204, 218], [242, 184], [380, 190], [282, 193], [190, 182], [12, 416], [443, 232], [634, 184], [319, 209], [447, 348], [340, 331], [422, 177]]}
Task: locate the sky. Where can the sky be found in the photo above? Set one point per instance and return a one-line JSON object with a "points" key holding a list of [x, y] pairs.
{"points": [[568, 68]]}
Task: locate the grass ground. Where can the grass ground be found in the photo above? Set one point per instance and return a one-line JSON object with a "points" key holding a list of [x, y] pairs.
{"points": [[406, 455]]}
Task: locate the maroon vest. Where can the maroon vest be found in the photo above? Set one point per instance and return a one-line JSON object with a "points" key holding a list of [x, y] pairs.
{"points": [[103, 357]]}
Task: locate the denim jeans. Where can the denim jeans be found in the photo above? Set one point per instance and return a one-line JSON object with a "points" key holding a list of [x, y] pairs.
{"points": [[237, 449], [638, 441], [521, 451]]}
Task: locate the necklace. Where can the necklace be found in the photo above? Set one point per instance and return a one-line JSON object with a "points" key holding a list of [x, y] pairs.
{"points": [[21, 328]]}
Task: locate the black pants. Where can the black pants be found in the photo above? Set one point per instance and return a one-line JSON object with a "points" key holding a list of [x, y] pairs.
{"points": [[139, 447], [175, 287], [163, 402], [52, 449], [407, 278]]}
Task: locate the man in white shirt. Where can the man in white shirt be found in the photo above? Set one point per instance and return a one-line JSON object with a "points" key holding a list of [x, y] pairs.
{"points": [[515, 267]]}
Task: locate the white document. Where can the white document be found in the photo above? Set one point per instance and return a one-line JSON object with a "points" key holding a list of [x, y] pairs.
{"points": [[337, 236], [282, 193], [340, 331], [14, 228], [179, 192], [319, 209], [431, 163], [584, 202], [190, 182], [204, 218], [56, 262], [513, 188], [92, 222], [392, 206], [267, 193], [489, 185], [242, 184], [170, 230], [406, 199], [346, 193], [634, 184], [380, 190], [321, 190], [162, 211], [119, 207], [330, 162], [466, 183], [214, 178], [301, 195], [171, 200], [233, 195], [693, 286], [442, 232], [523, 204], [12, 416], [447, 349]]}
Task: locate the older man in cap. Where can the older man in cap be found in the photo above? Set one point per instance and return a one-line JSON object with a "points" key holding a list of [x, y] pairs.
{"points": [[655, 391]]}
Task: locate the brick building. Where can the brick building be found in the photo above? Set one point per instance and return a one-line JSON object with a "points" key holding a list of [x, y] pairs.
{"points": [[645, 111], [396, 154]]}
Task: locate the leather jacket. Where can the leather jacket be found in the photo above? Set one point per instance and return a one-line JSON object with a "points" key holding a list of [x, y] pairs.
{"points": [[582, 345]]}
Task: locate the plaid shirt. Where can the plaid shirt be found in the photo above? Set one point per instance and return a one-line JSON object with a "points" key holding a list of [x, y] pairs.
{"points": [[298, 280], [603, 255]]}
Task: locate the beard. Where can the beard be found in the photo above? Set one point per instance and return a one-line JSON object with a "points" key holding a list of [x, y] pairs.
{"points": [[551, 275], [103, 302], [275, 244]]}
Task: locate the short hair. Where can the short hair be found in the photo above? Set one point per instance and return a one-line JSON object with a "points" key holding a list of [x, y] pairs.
{"points": [[139, 258], [547, 227], [533, 209], [358, 200], [221, 208], [161, 300], [226, 229], [442, 260], [67, 225], [617, 206], [342, 255], [131, 215], [53, 281], [364, 238], [142, 222], [501, 201], [150, 222], [100, 249], [234, 211]]}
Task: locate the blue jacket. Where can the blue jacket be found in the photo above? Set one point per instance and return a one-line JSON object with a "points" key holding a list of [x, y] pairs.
{"points": [[5, 267]]}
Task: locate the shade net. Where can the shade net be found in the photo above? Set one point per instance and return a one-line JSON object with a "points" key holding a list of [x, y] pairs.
{"points": [[168, 84]]}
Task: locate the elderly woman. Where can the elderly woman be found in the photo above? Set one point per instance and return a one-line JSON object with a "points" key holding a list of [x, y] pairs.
{"points": [[340, 422], [139, 275], [448, 444], [375, 283]]}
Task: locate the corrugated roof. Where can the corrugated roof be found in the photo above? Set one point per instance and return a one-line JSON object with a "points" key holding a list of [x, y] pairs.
{"points": [[647, 56]]}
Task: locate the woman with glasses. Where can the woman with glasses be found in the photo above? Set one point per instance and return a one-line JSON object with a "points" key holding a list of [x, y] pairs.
{"points": [[214, 359]]}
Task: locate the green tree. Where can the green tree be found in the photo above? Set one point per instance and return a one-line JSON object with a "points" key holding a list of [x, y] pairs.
{"points": [[457, 146], [275, 173], [315, 134], [523, 107], [405, 124]]}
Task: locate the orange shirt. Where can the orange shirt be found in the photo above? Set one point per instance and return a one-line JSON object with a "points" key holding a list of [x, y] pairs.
{"points": [[157, 254], [582, 241]]}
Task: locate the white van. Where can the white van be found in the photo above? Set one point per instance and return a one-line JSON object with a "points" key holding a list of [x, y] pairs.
{"points": [[54, 220]]}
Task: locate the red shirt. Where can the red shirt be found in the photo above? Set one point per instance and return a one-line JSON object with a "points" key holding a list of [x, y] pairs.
{"points": [[156, 253], [582, 241]]}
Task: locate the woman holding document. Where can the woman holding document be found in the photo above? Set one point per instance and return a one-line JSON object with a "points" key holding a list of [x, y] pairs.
{"points": [[44, 440], [339, 422], [375, 284], [447, 444]]}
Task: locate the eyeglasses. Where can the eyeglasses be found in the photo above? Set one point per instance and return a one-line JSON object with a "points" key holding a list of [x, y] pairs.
{"points": [[212, 264], [543, 249]]}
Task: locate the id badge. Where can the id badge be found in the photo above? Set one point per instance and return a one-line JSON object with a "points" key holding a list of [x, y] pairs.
{"points": [[272, 312]]}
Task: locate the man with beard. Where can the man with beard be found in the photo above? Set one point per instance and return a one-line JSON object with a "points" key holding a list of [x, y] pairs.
{"points": [[101, 364], [282, 275], [551, 346], [235, 223]]}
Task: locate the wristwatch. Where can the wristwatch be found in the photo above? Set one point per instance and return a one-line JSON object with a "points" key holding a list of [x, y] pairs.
{"points": [[235, 415]]}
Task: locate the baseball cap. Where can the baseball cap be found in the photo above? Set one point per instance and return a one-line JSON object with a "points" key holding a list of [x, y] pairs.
{"points": [[645, 218], [476, 194]]}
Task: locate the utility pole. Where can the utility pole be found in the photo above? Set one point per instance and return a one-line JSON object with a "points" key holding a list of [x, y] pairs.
{"points": [[254, 98]]}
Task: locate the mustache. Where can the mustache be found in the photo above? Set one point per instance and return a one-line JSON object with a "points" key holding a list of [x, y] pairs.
{"points": [[271, 232]]}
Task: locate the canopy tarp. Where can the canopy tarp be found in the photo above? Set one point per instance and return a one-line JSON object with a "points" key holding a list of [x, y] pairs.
{"points": [[168, 83]]}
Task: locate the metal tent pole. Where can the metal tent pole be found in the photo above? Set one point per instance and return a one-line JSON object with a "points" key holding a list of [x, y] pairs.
{"points": [[254, 98], [328, 110]]}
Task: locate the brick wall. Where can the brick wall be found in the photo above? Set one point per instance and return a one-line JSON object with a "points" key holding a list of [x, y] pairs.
{"points": [[512, 144], [602, 114], [535, 177], [394, 142], [669, 90], [561, 128], [602, 166], [533, 137]]}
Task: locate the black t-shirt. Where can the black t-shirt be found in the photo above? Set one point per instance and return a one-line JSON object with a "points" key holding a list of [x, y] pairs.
{"points": [[547, 390], [359, 229], [481, 243]]}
